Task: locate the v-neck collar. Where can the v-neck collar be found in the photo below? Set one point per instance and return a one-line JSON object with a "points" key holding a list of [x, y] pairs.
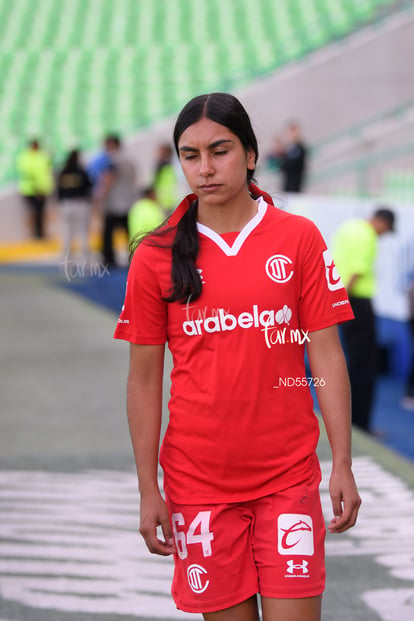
{"points": [[233, 250]]}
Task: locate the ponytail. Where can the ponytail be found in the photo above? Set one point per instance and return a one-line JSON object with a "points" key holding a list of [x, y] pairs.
{"points": [[185, 278], [184, 274]]}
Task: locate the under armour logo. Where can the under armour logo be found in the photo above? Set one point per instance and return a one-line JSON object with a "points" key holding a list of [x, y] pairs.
{"points": [[195, 576], [293, 567]]}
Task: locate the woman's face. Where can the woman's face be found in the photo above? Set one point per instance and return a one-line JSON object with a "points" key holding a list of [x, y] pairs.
{"points": [[214, 162]]}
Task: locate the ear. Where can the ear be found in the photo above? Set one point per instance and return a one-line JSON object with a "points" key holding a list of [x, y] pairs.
{"points": [[250, 159]]}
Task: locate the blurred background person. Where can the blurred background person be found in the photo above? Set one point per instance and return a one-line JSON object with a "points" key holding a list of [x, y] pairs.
{"points": [[74, 194], [408, 399], [145, 214], [274, 159], [354, 248], [101, 160], [115, 195], [293, 159], [36, 183], [165, 178]]}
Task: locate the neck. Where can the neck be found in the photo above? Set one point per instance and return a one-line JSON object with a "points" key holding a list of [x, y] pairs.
{"points": [[228, 218]]}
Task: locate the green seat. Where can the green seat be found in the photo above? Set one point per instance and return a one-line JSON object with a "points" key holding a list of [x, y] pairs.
{"points": [[80, 68]]}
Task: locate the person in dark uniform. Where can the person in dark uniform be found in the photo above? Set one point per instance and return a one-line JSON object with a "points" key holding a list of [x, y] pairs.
{"points": [[293, 161]]}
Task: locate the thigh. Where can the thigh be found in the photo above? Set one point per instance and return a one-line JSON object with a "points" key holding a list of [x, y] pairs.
{"points": [[214, 564], [81, 215], [299, 609], [246, 611], [361, 330], [289, 536], [67, 215]]}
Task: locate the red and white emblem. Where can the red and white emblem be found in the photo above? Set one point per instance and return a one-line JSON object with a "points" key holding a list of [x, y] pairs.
{"points": [[333, 278], [279, 268]]}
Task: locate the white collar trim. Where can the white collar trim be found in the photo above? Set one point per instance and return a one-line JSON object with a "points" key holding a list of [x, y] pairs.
{"points": [[232, 251]]}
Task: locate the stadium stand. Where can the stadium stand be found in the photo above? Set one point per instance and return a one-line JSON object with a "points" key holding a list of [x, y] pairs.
{"points": [[76, 69], [377, 141]]}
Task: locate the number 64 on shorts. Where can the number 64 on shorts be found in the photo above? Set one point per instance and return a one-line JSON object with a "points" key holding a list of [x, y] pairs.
{"points": [[184, 538]]}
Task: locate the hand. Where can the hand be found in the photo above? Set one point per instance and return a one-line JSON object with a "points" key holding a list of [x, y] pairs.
{"points": [[154, 513], [345, 500]]}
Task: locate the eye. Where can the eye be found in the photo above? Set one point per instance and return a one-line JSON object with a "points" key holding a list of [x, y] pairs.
{"points": [[220, 152], [188, 157]]}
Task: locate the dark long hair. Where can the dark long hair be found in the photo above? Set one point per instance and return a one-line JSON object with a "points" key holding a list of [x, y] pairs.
{"points": [[226, 110]]}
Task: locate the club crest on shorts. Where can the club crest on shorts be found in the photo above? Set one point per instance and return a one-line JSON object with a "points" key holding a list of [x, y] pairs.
{"points": [[295, 534], [197, 579]]}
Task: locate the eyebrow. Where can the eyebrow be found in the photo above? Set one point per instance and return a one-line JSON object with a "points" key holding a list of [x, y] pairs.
{"points": [[213, 145]]}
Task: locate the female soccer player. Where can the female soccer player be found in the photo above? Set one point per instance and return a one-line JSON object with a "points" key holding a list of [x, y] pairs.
{"points": [[238, 289]]}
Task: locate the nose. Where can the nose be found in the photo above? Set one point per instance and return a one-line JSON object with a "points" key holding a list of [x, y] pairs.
{"points": [[206, 167]]}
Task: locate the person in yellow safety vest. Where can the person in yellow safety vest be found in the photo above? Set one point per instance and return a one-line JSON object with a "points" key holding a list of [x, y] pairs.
{"points": [[144, 215], [165, 179], [36, 183], [354, 250]]}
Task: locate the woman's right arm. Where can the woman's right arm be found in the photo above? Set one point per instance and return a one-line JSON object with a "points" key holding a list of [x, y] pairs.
{"points": [[144, 408]]}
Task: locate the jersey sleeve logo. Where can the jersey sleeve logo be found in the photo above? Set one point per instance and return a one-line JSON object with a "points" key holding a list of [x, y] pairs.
{"points": [[279, 268], [333, 278]]}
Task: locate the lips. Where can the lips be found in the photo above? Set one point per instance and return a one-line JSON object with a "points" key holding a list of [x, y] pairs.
{"points": [[211, 187]]}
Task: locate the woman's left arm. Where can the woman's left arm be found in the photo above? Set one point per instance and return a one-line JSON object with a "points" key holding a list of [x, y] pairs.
{"points": [[327, 363]]}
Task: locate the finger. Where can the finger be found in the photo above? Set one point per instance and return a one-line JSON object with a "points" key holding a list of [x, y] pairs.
{"points": [[343, 521], [154, 544], [149, 531], [353, 514], [161, 549], [339, 524], [168, 535], [165, 547], [337, 506]]}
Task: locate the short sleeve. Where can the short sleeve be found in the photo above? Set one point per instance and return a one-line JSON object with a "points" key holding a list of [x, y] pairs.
{"points": [[143, 319], [323, 298]]}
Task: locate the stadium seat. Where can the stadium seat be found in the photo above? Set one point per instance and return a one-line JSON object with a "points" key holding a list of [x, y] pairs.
{"points": [[76, 69]]}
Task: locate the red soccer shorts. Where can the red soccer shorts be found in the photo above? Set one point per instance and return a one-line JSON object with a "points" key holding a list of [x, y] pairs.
{"points": [[228, 552]]}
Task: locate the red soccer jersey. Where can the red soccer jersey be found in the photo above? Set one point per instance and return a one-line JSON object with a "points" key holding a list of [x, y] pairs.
{"points": [[241, 413]]}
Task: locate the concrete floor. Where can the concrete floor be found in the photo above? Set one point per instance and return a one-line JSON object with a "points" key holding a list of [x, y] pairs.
{"points": [[69, 549]]}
